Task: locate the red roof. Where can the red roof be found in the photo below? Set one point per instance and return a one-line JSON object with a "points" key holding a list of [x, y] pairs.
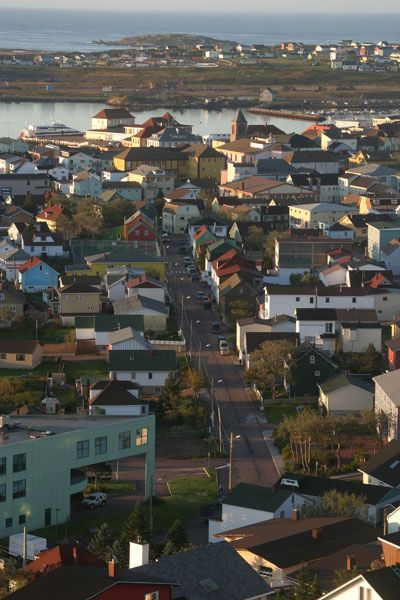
{"points": [[143, 281], [50, 213], [224, 257], [64, 554], [197, 234], [31, 262]]}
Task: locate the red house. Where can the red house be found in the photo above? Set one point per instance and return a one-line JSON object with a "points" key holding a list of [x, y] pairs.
{"points": [[139, 228], [393, 353]]}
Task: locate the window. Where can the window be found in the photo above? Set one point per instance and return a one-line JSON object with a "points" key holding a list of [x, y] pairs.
{"points": [[22, 519], [150, 375], [151, 596], [317, 373], [328, 327], [3, 465], [312, 360], [2, 492], [141, 436], [297, 298], [1, 296], [13, 308], [19, 463], [47, 517], [9, 522], [100, 445], [354, 300], [384, 298], [19, 488], [327, 300], [82, 449], [311, 300], [124, 440], [78, 297], [20, 357]]}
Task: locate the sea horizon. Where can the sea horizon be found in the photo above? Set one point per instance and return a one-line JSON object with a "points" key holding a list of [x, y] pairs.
{"points": [[71, 30]]}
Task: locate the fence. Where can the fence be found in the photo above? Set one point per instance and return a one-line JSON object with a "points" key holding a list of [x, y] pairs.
{"points": [[307, 400], [55, 350]]}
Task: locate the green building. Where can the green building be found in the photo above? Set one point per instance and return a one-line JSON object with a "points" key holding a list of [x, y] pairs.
{"points": [[42, 457]]}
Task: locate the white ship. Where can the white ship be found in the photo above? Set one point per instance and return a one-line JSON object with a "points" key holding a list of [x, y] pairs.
{"points": [[48, 131]]}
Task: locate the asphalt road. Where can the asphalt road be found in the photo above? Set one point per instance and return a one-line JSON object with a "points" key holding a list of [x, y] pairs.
{"points": [[252, 462]]}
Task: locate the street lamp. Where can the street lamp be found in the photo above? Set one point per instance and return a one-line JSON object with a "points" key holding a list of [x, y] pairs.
{"points": [[231, 438]]}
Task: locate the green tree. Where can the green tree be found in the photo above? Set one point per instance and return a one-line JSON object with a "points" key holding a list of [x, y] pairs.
{"points": [[115, 212], [176, 539], [305, 587], [269, 247], [336, 504], [88, 218], [30, 203], [308, 279], [169, 401], [137, 525], [120, 551], [344, 575], [371, 361], [12, 578], [270, 363], [254, 239], [101, 543], [238, 309]]}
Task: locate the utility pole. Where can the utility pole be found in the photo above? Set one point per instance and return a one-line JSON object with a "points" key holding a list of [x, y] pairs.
{"points": [[191, 339], [230, 460], [220, 429], [212, 406], [24, 549], [199, 357]]}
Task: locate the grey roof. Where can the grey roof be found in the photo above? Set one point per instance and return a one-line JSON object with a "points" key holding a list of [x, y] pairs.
{"points": [[257, 497], [215, 571], [337, 382], [138, 303], [104, 322], [127, 333], [390, 384], [385, 582]]}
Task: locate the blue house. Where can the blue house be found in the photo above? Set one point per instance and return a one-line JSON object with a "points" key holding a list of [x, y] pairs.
{"points": [[36, 276]]}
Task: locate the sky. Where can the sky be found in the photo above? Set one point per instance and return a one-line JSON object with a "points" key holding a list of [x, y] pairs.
{"points": [[315, 6]]}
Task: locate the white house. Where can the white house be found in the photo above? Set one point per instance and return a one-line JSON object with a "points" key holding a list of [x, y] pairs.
{"points": [[76, 162], [393, 520], [387, 403], [345, 394], [127, 339], [116, 398], [176, 217], [279, 324], [308, 216], [381, 584], [317, 326], [148, 368], [247, 504], [333, 274], [356, 336], [285, 299], [147, 287]]}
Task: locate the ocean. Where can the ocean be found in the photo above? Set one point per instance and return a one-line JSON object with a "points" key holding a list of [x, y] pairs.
{"points": [[63, 30]]}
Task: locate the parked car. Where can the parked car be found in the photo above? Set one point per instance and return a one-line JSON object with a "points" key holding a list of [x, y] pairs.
{"points": [[183, 250], [207, 305], [187, 260], [94, 500], [216, 328], [195, 277], [200, 296]]}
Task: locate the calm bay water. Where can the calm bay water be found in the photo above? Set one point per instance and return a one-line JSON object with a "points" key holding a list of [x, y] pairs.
{"points": [[14, 117], [71, 30]]}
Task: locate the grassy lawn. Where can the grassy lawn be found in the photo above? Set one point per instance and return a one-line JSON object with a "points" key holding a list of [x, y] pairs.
{"points": [[73, 369], [48, 333], [275, 412], [188, 495]]}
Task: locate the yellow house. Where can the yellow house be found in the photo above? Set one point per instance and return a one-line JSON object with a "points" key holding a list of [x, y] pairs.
{"points": [[78, 299], [98, 264], [171, 160], [12, 303], [20, 354], [205, 162]]}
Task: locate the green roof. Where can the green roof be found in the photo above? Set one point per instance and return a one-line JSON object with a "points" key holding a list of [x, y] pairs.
{"points": [[395, 224], [110, 322], [257, 497], [338, 382], [142, 360], [219, 248]]}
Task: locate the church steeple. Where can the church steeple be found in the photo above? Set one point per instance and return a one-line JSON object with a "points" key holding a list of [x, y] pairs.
{"points": [[238, 126]]}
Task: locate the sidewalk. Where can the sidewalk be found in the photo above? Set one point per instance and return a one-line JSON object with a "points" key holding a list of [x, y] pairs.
{"points": [[273, 450]]}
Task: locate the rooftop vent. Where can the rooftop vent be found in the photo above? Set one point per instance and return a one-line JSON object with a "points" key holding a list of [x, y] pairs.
{"points": [[292, 482], [209, 585]]}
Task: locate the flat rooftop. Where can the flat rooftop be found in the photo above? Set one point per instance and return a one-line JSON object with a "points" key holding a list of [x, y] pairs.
{"points": [[22, 428]]}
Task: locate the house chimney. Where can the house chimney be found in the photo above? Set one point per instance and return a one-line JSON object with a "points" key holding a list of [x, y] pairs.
{"points": [[75, 555], [350, 562], [113, 568], [315, 534], [295, 514], [138, 553]]}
